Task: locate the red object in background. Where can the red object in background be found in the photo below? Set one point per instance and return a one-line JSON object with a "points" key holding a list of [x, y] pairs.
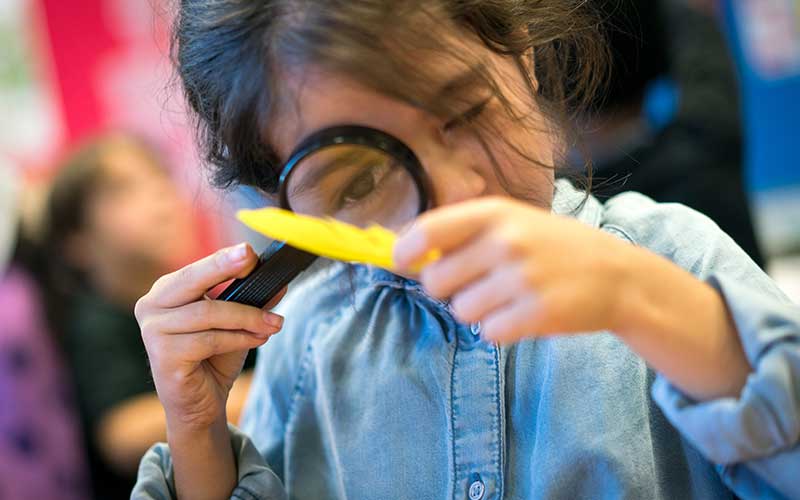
{"points": [[78, 38], [109, 70]]}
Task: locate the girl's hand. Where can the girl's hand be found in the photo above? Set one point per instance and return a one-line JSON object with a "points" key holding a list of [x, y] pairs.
{"points": [[522, 272], [197, 346], [518, 269]]}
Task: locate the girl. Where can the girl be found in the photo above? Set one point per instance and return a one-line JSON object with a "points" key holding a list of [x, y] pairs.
{"points": [[519, 365]]}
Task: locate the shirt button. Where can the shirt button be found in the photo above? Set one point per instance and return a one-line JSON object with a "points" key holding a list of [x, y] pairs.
{"points": [[475, 328], [477, 488]]}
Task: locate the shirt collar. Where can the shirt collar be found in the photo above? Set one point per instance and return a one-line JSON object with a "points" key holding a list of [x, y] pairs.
{"points": [[575, 203]]}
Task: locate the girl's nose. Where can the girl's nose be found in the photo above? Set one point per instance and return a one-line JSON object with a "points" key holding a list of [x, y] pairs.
{"points": [[454, 182]]}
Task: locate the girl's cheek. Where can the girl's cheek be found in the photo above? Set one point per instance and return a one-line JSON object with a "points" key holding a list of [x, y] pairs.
{"points": [[524, 170]]}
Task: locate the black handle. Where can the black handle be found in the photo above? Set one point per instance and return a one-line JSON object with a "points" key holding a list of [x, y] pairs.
{"points": [[277, 266]]}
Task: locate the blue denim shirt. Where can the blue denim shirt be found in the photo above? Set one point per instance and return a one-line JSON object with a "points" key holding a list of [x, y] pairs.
{"points": [[373, 390]]}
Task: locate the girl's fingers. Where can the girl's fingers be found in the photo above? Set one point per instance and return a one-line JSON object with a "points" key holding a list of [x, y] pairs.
{"points": [[447, 276], [191, 282], [199, 346], [553, 312], [498, 289], [444, 229], [214, 314], [450, 274], [512, 322]]}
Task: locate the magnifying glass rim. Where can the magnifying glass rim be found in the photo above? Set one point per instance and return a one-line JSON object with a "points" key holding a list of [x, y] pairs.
{"points": [[359, 136]]}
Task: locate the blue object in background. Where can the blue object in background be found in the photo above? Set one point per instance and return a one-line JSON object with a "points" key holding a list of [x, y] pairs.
{"points": [[661, 100], [765, 41]]}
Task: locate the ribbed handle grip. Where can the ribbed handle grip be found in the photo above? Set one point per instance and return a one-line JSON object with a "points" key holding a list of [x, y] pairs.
{"points": [[277, 266]]}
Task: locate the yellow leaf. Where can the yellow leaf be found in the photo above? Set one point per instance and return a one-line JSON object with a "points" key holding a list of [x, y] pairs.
{"points": [[328, 237]]}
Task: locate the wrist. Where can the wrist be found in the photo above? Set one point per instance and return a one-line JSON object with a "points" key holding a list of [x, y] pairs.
{"points": [[630, 306], [182, 430], [680, 326], [203, 460], [650, 299]]}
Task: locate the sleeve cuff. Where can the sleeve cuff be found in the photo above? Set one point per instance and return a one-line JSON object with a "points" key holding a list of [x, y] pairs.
{"points": [[156, 479], [765, 419]]}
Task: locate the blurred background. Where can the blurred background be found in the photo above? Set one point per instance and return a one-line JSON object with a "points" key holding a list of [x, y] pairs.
{"points": [[101, 192]]}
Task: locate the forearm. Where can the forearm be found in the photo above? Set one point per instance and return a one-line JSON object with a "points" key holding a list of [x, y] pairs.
{"points": [[682, 328], [203, 460]]}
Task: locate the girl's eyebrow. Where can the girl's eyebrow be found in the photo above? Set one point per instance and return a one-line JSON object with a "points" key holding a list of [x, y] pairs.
{"points": [[462, 82], [312, 179], [328, 167]]}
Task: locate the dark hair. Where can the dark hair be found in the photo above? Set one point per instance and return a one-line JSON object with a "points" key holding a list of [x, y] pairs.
{"points": [[228, 52]]}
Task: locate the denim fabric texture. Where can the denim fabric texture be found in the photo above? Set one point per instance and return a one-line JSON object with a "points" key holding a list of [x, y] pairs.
{"points": [[374, 390]]}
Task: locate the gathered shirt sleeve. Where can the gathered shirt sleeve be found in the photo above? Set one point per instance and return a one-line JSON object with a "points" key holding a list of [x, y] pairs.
{"points": [[753, 439], [256, 481]]}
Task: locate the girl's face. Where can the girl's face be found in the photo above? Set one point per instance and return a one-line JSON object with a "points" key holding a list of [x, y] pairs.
{"points": [[136, 216], [458, 164]]}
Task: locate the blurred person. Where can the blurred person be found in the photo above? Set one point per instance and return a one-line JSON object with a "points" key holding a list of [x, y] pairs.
{"points": [[669, 126], [41, 455], [115, 222]]}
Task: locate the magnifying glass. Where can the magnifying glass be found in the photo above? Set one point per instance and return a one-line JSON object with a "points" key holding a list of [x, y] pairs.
{"points": [[358, 175]]}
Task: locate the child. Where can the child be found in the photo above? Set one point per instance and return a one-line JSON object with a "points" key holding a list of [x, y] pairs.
{"points": [[115, 222], [520, 364]]}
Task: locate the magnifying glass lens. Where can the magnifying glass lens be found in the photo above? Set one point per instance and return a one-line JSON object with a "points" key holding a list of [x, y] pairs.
{"points": [[353, 174], [357, 184]]}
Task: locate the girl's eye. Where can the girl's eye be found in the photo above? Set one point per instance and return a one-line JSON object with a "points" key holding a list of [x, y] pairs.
{"points": [[360, 187], [364, 184], [467, 117]]}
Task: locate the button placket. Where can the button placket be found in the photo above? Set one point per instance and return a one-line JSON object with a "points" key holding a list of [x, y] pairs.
{"points": [[475, 328], [476, 417], [476, 488]]}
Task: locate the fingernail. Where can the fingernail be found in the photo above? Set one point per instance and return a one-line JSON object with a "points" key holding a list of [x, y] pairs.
{"points": [[273, 320], [237, 254]]}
